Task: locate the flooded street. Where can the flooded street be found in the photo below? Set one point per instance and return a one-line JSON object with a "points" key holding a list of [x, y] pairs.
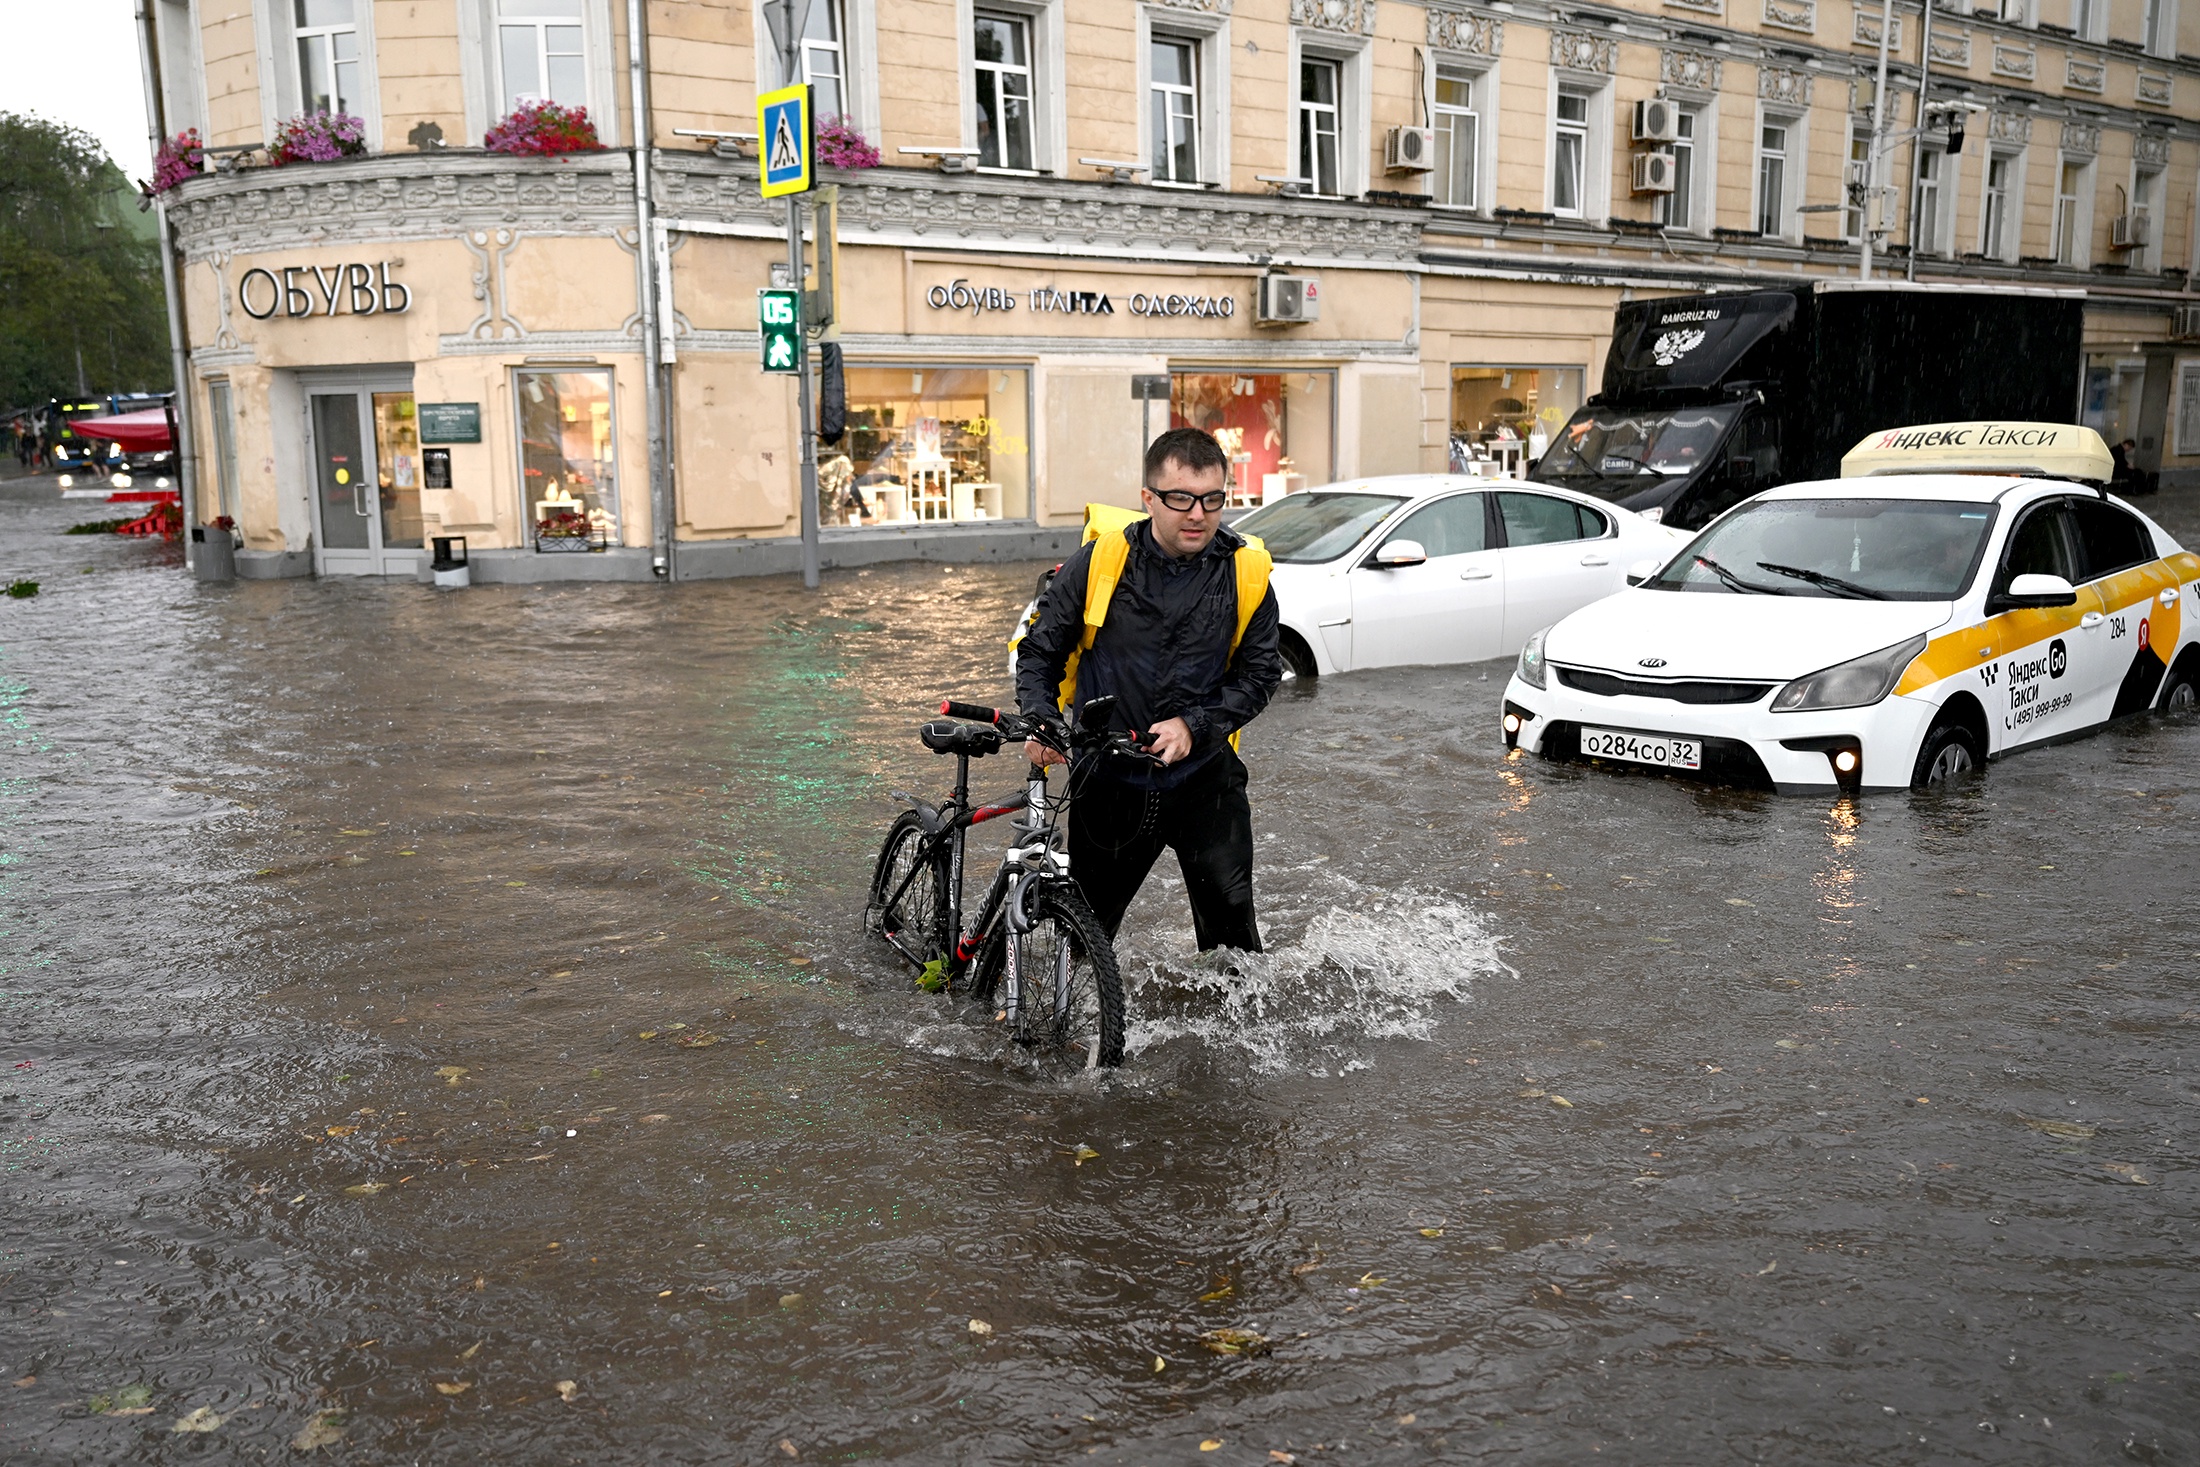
{"points": [[440, 1026]]}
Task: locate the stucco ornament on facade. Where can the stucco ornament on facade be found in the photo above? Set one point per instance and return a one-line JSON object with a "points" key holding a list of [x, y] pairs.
{"points": [[2084, 74], [1465, 32], [2015, 61], [1352, 17], [1793, 15], [1864, 29], [2081, 138], [1695, 71], [1204, 7], [1951, 47], [1701, 7], [2153, 89], [2009, 127], [1580, 51], [1785, 88], [2150, 149]]}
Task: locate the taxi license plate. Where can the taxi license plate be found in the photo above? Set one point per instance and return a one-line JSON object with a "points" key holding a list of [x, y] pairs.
{"points": [[1665, 753]]}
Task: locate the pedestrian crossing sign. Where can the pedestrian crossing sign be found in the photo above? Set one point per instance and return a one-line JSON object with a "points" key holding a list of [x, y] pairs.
{"points": [[785, 143]]}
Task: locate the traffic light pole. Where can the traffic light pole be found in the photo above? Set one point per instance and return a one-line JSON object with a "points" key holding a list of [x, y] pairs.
{"points": [[802, 379]]}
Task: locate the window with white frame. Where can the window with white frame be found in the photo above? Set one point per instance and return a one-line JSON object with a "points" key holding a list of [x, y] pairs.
{"points": [[824, 58], [1005, 114], [1174, 108], [1996, 225], [1927, 206], [1320, 108], [2069, 243], [2089, 19], [1570, 155], [328, 56], [1458, 124], [542, 52], [1854, 181], [2146, 209], [1772, 177], [2158, 28], [1677, 210]]}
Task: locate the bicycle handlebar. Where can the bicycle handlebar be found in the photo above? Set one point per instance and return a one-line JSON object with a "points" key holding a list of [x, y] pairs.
{"points": [[972, 711], [1091, 732]]}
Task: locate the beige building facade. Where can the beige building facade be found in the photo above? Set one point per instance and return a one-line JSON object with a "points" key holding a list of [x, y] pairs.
{"points": [[435, 340]]}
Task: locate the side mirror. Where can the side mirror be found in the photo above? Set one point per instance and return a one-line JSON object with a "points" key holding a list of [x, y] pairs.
{"points": [[2042, 591], [1400, 553], [1640, 571]]}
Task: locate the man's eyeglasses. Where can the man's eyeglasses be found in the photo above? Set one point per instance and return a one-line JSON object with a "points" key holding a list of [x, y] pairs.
{"points": [[1182, 500]]}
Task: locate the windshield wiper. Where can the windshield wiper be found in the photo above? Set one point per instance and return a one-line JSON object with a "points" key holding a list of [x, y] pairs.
{"points": [[1820, 578], [1749, 588]]}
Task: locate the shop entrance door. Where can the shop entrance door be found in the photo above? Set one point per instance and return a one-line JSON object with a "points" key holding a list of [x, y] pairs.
{"points": [[366, 471]]}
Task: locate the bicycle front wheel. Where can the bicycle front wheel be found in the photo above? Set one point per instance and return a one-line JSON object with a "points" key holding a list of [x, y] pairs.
{"points": [[908, 905], [1063, 993]]}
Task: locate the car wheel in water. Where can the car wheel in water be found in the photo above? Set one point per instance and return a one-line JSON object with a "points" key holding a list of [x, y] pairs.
{"points": [[1297, 661], [2181, 696], [1951, 752]]}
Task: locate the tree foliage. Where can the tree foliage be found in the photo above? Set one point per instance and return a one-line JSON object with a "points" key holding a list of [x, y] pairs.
{"points": [[80, 287]]}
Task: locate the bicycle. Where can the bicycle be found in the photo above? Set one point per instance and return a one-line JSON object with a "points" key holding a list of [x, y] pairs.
{"points": [[1035, 951]]}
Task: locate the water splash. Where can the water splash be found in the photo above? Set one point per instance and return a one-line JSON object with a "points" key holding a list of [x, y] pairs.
{"points": [[1377, 969]]}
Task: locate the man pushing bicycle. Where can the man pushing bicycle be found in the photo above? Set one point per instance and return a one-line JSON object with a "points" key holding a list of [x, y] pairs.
{"points": [[1171, 616]]}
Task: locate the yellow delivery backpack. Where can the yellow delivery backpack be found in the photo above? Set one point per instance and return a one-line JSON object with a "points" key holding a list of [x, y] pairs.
{"points": [[1106, 530]]}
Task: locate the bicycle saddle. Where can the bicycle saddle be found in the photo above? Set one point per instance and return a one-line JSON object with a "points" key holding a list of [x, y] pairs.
{"points": [[974, 739]]}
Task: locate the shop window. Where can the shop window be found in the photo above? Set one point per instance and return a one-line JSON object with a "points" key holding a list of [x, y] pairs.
{"points": [[397, 468], [1175, 118], [1458, 138], [1502, 418], [1320, 121], [567, 459], [824, 59], [1003, 63], [221, 413], [542, 52], [1275, 426], [941, 444], [328, 56]]}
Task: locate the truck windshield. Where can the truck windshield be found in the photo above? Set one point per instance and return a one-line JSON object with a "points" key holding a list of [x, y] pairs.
{"points": [[1306, 529], [1611, 453], [1856, 549]]}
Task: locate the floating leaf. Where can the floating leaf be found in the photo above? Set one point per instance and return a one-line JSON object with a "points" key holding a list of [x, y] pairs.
{"points": [[980, 1328], [786, 1444], [131, 1400], [568, 1389], [367, 1189], [355, 832], [2068, 1130], [453, 1387], [342, 1130], [324, 1430], [1223, 1289], [1432, 1232], [470, 1351], [203, 1419], [790, 1301], [1210, 1445], [1789, 1044], [651, 1120], [452, 1074], [1768, 1268], [1159, 1365], [1083, 1153], [1234, 1341], [695, 1041], [1560, 1100], [1408, 1419], [1739, 902], [1301, 1270], [647, 1034], [2127, 1171], [1531, 1093], [934, 977], [1284, 1457], [1372, 1281], [25, 1382]]}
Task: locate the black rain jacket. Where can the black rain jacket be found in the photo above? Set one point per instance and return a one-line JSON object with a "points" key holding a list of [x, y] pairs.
{"points": [[1163, 652]]}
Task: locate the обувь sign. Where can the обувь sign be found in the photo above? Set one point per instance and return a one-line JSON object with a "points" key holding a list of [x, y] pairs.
{"points": [[961, 295], [308, 290]]}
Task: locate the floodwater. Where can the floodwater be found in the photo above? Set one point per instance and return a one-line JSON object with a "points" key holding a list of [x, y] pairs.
{"points": [[348, 932]]}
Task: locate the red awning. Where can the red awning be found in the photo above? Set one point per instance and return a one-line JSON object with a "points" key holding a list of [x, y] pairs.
{"points": [[141, 432]]}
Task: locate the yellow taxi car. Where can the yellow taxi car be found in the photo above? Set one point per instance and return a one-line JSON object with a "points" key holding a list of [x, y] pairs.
{"points": [[1963, 591]]}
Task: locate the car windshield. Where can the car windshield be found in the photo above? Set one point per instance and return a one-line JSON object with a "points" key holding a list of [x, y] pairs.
{"points": [[1857, 549], [1305, 529], [1614, 454]]}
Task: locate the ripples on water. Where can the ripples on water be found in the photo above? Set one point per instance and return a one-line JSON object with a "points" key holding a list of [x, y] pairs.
{"points": [[332, 918]]}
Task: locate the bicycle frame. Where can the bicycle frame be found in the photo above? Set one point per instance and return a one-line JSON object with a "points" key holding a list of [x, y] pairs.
{"points": [[1037, 854]]}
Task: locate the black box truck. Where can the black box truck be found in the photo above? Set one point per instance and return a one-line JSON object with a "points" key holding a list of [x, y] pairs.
{"points": [[1708, 399]]}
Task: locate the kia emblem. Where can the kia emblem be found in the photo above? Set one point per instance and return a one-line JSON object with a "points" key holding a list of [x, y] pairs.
{"points": [[1651, 662]]}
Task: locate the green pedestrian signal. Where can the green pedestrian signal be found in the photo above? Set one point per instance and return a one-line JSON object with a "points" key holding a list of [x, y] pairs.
{"points": [[779, 317]]}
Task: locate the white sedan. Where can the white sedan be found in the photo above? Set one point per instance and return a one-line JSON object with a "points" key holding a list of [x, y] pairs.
{"points": [[1427, 568]]}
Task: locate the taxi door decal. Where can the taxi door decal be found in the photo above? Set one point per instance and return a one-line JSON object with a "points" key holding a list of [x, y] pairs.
{"points": [[2030, 671], [2137, 620]]}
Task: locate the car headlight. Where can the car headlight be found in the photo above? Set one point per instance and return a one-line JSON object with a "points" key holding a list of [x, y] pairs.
{"points": [[1531, 659], [1854, 684]]}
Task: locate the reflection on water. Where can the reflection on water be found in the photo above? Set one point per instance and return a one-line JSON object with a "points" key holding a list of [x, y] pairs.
{"points": [[441, 1019]]}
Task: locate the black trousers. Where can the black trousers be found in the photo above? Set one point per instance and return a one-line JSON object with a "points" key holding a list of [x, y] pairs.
{"points": [[1117, 831]]}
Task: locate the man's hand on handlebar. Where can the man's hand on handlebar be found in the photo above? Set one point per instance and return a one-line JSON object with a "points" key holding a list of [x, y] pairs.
{"points": [[1042, 754], [1169, 740]]}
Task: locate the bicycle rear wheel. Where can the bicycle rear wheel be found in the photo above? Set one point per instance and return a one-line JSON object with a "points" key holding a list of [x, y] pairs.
{"points": [[908, 905], [1060, 987]]}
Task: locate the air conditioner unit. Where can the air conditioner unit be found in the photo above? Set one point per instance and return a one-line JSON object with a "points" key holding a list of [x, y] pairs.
{"points": [[1410, 149], [1653, 173], [1656, 121], [1288, 300], [2186, 323], [2130, 231]]}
